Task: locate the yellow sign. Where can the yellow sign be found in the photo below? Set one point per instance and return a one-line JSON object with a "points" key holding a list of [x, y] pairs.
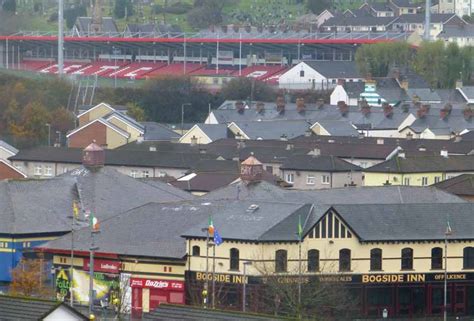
{"points": [[393, 278]]}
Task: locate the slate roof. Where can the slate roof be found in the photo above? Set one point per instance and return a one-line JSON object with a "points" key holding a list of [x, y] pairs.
{"points": [[406, 3], [174, 312], [205, 182], [338, 127], [8, 147], [274, 129], [420, 18], [408, 222], [426, 164], [115, 157], [468, 92], [455, 124], [462, 185], [343, 195], [454, 31], [126, 119], [319, 164], [354, 88], [214, 131], [361, 20], [158, 132], [31, 309], [335, 69], [450, 95], [425, 94], [108, 25]]}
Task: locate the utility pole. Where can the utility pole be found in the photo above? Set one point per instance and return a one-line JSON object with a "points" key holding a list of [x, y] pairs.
{"points": [[445, 305], [91, 264], [61, 38], [427, 20]]}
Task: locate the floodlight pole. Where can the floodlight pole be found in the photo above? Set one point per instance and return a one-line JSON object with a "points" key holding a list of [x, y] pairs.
{"points": [[61, 38]]}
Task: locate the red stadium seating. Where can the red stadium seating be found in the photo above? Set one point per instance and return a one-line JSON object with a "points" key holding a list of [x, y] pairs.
{"points": [[34, 65], [100, 68], [275, 78], [260, 72], [137, 70], [175, 69], [69, 67]]}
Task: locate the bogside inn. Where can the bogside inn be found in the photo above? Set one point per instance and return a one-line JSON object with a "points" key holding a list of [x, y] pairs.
{"points": [[390, 256]]}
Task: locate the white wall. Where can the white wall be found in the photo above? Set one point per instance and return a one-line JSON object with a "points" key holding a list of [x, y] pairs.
{"points": [[292, 79], [62, 314]]}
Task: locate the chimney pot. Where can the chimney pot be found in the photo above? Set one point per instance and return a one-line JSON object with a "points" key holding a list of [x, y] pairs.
{"points": [[280, 104], [240, 106], [300, 106]]}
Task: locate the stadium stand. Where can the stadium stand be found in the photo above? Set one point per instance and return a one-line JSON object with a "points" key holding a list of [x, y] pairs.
{"points": [[175, 69], [137, 70], [100, 68], [274, 78], [260, 72], [33, 65], [69, 67]]}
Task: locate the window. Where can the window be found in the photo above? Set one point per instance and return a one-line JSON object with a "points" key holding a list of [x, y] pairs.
{"points": [[437, 179], [215, 81], [38, 169], [48, 170], [325, 179], [375, 259], [344, 260], [406, 181], [145, 174], [290, 178], [407, 258], [436, 258], [281, 257], [301, 73], [196, 250], [269, 169], [234, 259], [468, 258], [424, 181], [313, 260], [310, 180], [133, 173]]}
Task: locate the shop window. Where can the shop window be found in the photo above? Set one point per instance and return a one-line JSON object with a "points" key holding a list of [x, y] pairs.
{"points": [[196, 250], [313, 260], [281, 260], [468, 258], [436, 258], [375, 259], [407, 258], [344, 260], [234, 259]]}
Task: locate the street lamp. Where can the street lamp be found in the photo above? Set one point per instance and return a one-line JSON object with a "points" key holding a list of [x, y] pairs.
{"points": [[205, 292], [244, 286], [49, 133], [182, 116]]}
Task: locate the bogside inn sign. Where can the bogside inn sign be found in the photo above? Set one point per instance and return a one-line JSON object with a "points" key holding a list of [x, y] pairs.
{"points": [[339, 278]]}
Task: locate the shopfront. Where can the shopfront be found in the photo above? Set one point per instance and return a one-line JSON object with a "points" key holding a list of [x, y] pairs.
{"points": [[148, 293]]}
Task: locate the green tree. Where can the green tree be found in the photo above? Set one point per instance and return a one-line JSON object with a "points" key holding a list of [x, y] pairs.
{"points": [[123, 8], [377, 59], [428, 61], [136, 112], [62, 120], [452, 67], [9, 6], [318, 6], [206, 13], [244, 88]]}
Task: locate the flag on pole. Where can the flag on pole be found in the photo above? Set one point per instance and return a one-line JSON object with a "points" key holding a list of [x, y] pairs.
{"points": [[448, 227], [300, 228], [94, 222], [210, 227], [75, 209], [217, 238]]}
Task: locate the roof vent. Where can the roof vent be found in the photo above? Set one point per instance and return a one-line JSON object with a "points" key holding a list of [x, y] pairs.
{"points": [[251, 170], [93, 156], [152, 149], [444, 152], [252, 208], [380, 141]]}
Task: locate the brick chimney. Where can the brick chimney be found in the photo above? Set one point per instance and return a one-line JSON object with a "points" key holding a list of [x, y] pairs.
{"points": [[280, 104], [320, 103], [387, 110], [445, 111], [364, 108], [240, 106], [467, 113], [251, 170], [93, 156], [341, 82], [343, 108], [300, 106], [260, 107], [423, 111]]}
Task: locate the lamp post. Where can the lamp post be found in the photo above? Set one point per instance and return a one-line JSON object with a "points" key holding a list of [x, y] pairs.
{"points": [[182, 117], [49, 133], [244, 286], [205, 292], [446, 234]]}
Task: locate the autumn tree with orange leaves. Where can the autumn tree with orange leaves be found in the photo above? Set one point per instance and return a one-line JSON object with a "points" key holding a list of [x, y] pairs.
{"points": [[29, 279]]}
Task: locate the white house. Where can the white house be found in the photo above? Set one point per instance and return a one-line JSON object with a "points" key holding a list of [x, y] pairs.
{"points": [[319, 75], [347, 92]]}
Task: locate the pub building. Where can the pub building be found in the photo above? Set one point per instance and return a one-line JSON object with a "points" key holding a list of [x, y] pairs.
{"points": [[390, 256]]}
